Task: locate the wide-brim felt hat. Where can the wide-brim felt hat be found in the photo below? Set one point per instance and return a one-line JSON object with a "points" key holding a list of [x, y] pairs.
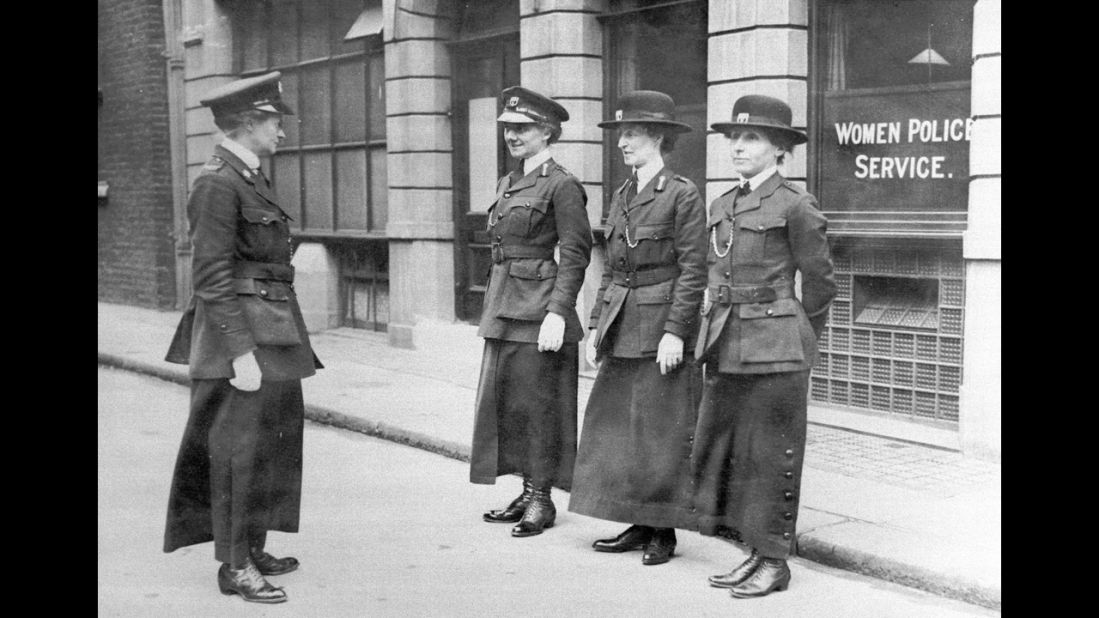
{"points": [[757, 110], [262, 93], [522, 105], [645, 107]]}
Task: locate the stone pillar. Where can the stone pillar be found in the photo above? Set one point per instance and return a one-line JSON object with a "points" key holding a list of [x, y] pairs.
{"points": [[980, 403], [419, 159], [316, 281], [745, 59], [561, 56]]}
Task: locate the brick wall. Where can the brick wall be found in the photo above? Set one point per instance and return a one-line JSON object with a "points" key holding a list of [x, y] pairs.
{"points": [[136, 254]]}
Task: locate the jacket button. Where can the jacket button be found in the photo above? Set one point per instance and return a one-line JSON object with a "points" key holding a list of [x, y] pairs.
{"points": [[264, 218], [789, 474], [654, 236], [788, 495], [507, 195], [789, 452], [498, 237], [263, 292], [786, 535], [667, 297], [787, 515], [770, 312], [761, 227]]}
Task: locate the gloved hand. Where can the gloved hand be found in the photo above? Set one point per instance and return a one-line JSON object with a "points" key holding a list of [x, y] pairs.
{"points": [[669, 353], [552, 333], [247, 371], [590, 352]]}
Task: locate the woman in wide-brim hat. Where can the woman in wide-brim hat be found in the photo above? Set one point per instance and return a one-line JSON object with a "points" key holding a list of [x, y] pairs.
{"points": [[633, 463], [526, 396], [758, 341]]}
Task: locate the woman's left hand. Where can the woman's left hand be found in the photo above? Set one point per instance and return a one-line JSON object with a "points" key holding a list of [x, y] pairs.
{"points": [[552, 333], [669, 353]]}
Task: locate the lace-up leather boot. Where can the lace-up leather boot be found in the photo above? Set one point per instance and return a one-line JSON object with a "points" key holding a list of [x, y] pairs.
{"points": [[771, 574], [739, 574], [661, 547], [267, 564], [249, 584], [514, 511], [540, 514]]}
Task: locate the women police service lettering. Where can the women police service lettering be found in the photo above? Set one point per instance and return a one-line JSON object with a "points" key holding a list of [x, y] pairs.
{"points": [[526, 397], [633, 463], [238, 472], [758, 341]]}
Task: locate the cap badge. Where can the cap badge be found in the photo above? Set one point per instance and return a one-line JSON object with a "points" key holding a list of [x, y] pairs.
{"points": [[618, 114], [742, 117], [513, 101]]}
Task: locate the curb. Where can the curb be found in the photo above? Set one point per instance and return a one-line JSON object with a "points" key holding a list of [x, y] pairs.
{"points": [[808, 547], [848, 559]]}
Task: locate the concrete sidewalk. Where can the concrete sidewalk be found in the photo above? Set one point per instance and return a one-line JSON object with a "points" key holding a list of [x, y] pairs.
{"points": [[911, 514]]}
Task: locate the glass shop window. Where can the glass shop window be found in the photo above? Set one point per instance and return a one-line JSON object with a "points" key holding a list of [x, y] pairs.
{"points": [[892, 115], [653, 45], [330, 172]]}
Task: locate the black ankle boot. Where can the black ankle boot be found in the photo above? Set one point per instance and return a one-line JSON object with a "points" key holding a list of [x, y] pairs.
{"points": [[739, 574], [514, 511], [772, 574], [270, 565], [635, 537], [540, 514], [661, 547]]}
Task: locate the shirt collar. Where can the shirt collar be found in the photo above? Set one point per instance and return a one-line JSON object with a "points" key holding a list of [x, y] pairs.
{"points": [[536, 160], [647, 172], [246, 156], [760, 178]]}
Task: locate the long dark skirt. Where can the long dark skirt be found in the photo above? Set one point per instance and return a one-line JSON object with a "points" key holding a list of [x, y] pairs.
{"points": [[525, 414], [747, 458], [633, 464], [238, 473]]}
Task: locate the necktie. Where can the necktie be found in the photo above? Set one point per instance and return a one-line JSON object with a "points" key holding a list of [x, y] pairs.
{"points": [[631, 191], [745, 188]]}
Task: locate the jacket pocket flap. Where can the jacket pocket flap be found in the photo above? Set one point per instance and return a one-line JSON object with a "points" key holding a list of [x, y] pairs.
{"points": [[751, 311], [658, 294], [655, 231], [258, 215], [761, 224], [533, 269], [268, 290]]}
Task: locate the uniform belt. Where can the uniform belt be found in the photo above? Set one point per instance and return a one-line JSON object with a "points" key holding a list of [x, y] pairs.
{"points": [[640, 278], [739, 294], [264, 270], [507, 252]]}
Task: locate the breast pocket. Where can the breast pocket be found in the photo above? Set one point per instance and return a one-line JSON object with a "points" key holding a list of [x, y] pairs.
{"points": [[753, 234], [269, 312], [655, 244], [769, 332], [263, 228], [520, 215], [654, 302]]}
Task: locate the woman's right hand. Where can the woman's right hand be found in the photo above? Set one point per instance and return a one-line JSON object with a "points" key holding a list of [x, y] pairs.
{"points": [[589, 350]]}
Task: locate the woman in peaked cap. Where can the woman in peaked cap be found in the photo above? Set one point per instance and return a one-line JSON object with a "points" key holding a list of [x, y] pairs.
{"points": [[758, 341], [633, 464], [526, 396]]}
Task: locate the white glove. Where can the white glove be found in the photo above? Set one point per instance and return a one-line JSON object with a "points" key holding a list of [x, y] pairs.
{"points": [[669, 353], [590, 352], [248, 373], [552, 333]]}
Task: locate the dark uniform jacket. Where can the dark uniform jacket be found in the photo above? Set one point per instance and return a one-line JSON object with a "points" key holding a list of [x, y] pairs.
{"points": [[656, 286], [775, 230], [532, 215], [244, 298]]}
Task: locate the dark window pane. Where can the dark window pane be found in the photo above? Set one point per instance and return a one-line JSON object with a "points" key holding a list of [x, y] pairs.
{"points": [[291, 125], [379, 207], [284, 32], [318, 191], [314, 29], [250, 19], [350, 96], [351, 189], [377, 96], [344, 14], [316, 112], [287, 178]]}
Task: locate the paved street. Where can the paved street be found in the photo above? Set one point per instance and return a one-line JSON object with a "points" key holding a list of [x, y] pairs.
{"points": [[389, 530]]}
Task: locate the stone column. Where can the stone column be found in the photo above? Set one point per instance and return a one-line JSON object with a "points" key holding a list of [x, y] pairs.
{"points": [[561, 56], [419, 160], [980, 411]]}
